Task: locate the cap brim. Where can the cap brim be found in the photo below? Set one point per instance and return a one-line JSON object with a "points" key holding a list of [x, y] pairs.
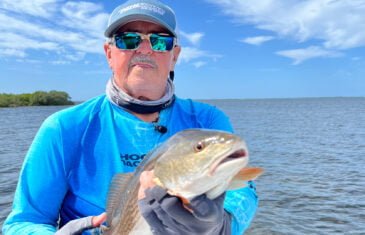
{"points": [[135, 17]]}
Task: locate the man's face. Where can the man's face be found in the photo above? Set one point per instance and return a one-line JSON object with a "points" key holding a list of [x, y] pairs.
{"points": [[141, 73]]}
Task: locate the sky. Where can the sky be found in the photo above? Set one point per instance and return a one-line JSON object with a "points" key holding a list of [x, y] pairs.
{"points": [[235, 49]]}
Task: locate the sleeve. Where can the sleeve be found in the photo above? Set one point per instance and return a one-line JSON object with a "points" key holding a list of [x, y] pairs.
{"points": [[241, 203], [42, 185]]}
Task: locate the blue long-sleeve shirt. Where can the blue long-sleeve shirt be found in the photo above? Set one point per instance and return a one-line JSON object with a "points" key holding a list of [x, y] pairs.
{"points": [[70, 164]]}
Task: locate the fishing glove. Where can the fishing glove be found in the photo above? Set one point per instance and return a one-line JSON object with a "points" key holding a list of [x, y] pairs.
{"points": [[76, 226], [82, 226], [167, 215]]}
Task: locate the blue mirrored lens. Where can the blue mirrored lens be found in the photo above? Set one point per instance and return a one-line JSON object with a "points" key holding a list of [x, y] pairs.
{"points": [[128, 41], [161, 43]]}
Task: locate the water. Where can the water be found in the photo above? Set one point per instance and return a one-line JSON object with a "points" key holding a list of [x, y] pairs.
{"points": [[313, 151], [18, 127]]}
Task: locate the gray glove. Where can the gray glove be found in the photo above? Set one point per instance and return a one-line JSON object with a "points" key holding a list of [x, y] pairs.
{"points": [[166, 214], [77, 226]]}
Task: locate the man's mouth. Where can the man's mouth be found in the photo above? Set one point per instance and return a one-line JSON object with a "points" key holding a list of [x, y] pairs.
{"points": [[143, 65]]}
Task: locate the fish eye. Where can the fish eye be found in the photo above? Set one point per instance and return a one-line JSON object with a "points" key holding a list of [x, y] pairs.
{"points": [[199, 147]]}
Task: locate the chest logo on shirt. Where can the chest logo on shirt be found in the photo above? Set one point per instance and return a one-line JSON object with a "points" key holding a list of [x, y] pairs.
{"points": [[131, 160]]}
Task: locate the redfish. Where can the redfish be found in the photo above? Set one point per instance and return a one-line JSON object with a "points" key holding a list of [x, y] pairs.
{"points": [[190, 163]]}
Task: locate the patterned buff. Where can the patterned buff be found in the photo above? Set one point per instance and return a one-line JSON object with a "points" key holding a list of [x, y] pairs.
{"points": [[118, 97]]}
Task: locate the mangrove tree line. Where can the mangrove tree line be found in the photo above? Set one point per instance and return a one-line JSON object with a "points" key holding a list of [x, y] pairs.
{"points": [[35, 99]]}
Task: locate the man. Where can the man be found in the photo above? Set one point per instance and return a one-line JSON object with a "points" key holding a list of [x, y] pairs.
{"points": [[66, 174]]}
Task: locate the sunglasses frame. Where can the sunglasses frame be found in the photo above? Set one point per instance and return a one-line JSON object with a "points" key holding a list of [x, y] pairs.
{"points": [[143, 37]]}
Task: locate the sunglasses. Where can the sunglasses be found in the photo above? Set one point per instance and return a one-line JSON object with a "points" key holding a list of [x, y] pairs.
{"points": [[160, 42]]}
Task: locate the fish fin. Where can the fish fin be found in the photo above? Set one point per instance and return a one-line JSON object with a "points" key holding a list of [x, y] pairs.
{"points": [[236, 184], [117, 188], [186, 204], [244, 175], [185, 201], [248, 173]]}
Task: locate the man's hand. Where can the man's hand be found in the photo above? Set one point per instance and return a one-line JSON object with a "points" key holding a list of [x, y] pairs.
{"points": [[77, 226], [167, 215]]}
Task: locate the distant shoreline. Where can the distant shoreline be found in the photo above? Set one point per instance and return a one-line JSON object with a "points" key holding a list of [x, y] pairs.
{"points": [[68, 102], [286, 98], [38, 98]]}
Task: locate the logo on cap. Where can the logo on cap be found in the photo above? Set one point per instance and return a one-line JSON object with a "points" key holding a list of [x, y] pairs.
{"points": [[143, 6]]}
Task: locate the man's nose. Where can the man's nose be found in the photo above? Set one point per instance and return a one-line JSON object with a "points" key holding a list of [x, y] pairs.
{"points": [[145, 47]]}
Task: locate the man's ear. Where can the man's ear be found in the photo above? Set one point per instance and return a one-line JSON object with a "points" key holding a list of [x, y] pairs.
{"points": [[107, 51], [176, 53]]}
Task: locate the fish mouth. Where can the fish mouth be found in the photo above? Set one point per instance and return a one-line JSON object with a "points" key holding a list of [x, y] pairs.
{"points": [[241, 153], [235, 156]]}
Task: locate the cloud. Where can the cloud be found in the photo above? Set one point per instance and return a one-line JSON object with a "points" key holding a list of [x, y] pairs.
{"points": [[71, 29], [59, 62], [336, 25], [9, 40], [199, 64], [356, 58], [39, 8], [85, 16], [191, 53], [300, 55], [257, 40], [12, 53], [75, 57], [193, 38], [28, 61]]}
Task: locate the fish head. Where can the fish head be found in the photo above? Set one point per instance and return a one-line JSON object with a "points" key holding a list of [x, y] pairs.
{"points": [[195, 161]]}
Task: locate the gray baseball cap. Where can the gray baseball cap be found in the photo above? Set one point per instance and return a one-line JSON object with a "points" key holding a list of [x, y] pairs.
{"points": [[145, 10]]}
